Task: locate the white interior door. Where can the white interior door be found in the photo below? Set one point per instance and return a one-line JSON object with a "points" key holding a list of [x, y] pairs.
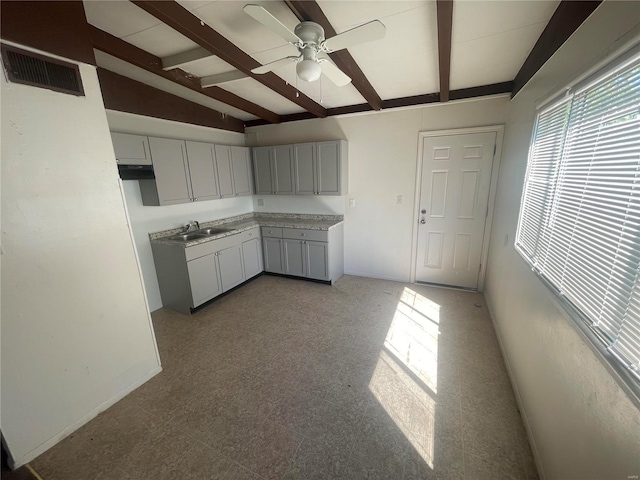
{"points": [[454, 194]]}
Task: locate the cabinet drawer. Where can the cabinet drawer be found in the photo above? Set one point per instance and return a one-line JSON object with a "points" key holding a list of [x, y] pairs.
{"points": [[272, 232], [249, 234], [200, 250], [302, 234]]}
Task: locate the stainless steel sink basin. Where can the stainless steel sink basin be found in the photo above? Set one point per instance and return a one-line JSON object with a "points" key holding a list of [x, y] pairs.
{"points": [[214, 230], [186, 237]]}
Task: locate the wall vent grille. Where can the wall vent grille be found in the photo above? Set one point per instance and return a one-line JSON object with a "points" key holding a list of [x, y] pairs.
{"points": [[39, 71]]}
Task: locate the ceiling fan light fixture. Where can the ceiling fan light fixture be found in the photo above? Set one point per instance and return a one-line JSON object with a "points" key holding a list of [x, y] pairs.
{"points": [[308, 70]]}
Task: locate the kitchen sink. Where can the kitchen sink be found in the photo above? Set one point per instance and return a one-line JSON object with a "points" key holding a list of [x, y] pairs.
{"points": [[213, 230], [186, 237]]}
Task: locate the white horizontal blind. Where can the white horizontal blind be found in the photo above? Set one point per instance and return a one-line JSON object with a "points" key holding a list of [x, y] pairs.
{"points": [[579, 221]]}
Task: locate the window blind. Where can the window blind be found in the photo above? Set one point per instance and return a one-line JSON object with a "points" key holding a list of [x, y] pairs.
{"points": [[579, 223]]}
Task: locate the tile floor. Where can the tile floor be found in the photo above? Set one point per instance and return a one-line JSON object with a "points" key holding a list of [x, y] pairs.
{"points": [[287, 379]]}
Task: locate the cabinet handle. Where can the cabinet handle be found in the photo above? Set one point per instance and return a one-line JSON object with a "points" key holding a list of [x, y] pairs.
{"points": [[304, 234], [251, 234], [195, 199]]}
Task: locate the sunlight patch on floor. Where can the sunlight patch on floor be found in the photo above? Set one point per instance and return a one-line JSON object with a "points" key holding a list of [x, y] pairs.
{"points": [[411, 346]]}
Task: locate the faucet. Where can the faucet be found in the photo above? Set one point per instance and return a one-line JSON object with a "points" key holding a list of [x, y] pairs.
{"points": [[192, 226]]}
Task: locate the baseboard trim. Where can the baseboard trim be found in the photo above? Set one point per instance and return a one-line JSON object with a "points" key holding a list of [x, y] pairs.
{"points": [[514, 386], [15, 463], [377, 277]]}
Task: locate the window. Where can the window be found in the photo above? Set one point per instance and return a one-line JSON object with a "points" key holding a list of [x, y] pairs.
{"points": [[579, 223]]}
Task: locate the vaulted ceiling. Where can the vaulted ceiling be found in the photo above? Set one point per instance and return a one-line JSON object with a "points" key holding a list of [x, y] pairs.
{"points": [[203, 51]]}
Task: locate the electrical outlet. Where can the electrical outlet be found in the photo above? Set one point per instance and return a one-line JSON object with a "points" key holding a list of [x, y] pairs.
{"points": [[399, 199], [261, 202], [352, 202]]}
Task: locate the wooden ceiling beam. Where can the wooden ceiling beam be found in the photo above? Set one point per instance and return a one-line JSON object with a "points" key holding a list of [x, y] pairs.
{"points": [[445, 25], [569, 15], [118, 48], [186, 23], [309, 10], [414, 101], [126, 95]]}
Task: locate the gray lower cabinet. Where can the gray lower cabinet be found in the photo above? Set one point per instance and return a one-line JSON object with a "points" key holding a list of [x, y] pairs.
{"points": [[231, 267], [191, 276], [204, 278], [316, 254], [272, 254], [252, 257]]}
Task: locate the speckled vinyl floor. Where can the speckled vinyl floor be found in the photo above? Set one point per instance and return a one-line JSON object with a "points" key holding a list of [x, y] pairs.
{"points": [[287, 379]]}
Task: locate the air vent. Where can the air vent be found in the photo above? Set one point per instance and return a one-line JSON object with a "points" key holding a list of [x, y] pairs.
{"points": [[39, 71]]}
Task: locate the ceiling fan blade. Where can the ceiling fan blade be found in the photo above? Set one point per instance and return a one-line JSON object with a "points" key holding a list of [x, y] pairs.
{"points": [[271, 22], [368, 32], [333, 73], [268, 67]]}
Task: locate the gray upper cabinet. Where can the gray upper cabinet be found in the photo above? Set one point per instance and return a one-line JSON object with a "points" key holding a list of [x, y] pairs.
{"points": [[282, 170], [304, 162], [273, 170], [131, 149], [319, 168], [234, 170], [241, 168], [172, 183], [329, 168], [262, 170], [225, 170], [202, 171]]}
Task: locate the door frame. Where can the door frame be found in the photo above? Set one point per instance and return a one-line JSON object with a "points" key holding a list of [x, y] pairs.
{"points": [[495, 169]]}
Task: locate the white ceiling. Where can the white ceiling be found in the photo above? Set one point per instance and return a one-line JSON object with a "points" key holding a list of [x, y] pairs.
{"points": [[490, 41]]}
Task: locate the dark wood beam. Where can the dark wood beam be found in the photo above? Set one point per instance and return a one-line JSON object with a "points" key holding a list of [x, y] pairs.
{"points": [[107, 43], [445, 25], [414, 101], [55, 27], [310, 11], [126, 95], [482, 91], [569, 15], [186, 23]]}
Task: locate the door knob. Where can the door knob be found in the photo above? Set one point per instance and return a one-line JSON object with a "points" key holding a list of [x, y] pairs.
{"points": [[423, 221], [423, 211]]}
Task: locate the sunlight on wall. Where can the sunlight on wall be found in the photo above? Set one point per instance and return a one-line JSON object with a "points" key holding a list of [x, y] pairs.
{"points": [[405, 378]]}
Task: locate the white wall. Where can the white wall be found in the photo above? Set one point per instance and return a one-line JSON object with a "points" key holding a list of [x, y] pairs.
{"points": [[383, 153], [583, 425], [152, 219], [76, 332]]}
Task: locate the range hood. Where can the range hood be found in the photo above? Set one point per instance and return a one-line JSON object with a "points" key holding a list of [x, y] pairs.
{"points": [[136, 172]]}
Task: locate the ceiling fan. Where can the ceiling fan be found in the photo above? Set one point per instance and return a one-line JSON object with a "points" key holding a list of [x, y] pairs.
{"points": [[308, 38]]}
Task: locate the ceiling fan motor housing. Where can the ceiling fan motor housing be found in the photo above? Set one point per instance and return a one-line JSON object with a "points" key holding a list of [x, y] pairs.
{"points": [[310, 32]]}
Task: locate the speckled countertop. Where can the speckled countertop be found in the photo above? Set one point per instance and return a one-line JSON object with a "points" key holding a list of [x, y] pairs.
{"points": [[247, 221]]}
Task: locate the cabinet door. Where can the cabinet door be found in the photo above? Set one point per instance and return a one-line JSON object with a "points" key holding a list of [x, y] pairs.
{"points": [[204, 279], [231, 268], [171, 170], [282, 170], [241, 167], [131, 149], [252, 257], [317, 254], [272, 254], [262, 171], [202, 171], [225, 170], [328, 168], [294, 257], [304, 163]]}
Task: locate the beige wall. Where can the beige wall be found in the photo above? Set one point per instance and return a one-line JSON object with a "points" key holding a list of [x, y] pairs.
{"points": [[153, 219], [76, 332], [383, 153], [582, 423]]}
